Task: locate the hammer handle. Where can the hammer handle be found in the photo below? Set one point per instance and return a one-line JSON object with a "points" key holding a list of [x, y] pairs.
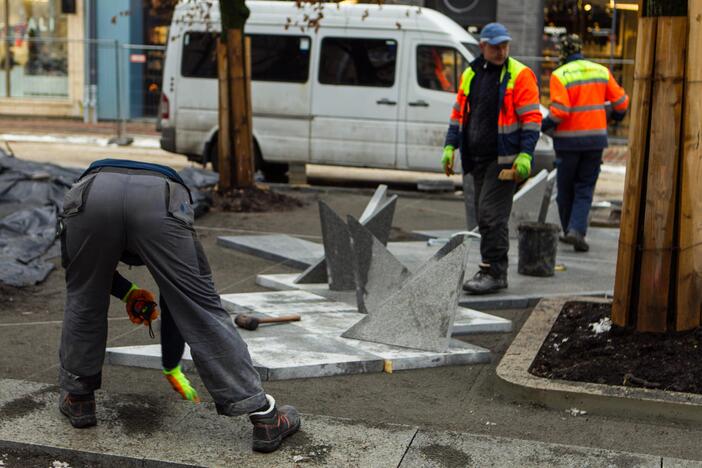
{"points": [[284, 318]]}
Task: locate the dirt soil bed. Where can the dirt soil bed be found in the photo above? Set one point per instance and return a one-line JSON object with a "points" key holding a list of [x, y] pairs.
{"points": [[255, 200], [574, 350]]}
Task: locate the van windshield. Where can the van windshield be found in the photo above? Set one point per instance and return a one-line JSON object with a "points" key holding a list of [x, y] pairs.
{"points": [[473, 48]]}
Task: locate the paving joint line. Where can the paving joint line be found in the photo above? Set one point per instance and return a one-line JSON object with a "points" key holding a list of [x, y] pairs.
{"points": [[402, 459]]}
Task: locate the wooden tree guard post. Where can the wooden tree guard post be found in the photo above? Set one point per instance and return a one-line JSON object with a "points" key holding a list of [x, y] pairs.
{"points": [[655, 303], [657, 285], [225, 153], [235, 144], [626, 277], [689, 273]]}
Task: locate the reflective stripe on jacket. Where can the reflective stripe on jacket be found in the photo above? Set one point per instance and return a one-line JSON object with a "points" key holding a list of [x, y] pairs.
{"points": [[579, 90], [519, 120]]}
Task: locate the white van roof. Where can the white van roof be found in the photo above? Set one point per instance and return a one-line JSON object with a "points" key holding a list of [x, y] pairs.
{"points": [[336, 15]]}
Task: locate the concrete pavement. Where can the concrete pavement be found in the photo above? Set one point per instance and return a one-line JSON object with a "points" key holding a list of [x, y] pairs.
{"points": [[149, 431]]}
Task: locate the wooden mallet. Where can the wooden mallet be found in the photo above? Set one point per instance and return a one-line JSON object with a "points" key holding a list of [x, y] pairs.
{"points": [[249, 322]]}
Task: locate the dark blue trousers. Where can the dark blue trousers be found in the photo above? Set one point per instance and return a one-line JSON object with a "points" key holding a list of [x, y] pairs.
{"points": [[576, 178]]}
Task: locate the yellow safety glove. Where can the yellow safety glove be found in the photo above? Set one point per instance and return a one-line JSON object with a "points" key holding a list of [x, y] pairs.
{"points": [[447, 160], [141, 306], [181, 384], [522, 164]]}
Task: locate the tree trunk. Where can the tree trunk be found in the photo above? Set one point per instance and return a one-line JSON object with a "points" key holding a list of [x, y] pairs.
{"points": [[658, 285], [236, 147]]}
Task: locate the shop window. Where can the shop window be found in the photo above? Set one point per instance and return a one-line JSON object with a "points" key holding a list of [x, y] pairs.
{"points": [[358, 62], [34, 54], [439, 68]]}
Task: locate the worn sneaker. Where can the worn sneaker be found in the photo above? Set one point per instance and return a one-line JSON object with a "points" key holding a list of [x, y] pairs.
{"points": [[578, 241], [273, 425], [79, 409], [484, 283]]}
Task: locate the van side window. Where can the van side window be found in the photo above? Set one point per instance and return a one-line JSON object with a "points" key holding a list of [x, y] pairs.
{"points": [[199, 55], [439, 68], [273, 57], [358, 62], [280, 58]]}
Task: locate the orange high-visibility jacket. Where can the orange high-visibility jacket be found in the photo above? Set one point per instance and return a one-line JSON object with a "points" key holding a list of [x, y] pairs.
{"points": [[579, 90], [519, 120]]}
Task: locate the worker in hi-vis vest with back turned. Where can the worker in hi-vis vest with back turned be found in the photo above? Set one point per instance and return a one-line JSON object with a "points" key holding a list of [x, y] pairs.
{"points": [[579, 91]]}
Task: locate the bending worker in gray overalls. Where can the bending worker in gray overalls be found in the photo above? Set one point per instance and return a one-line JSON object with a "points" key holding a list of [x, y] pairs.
{"points": [[120, 207]]}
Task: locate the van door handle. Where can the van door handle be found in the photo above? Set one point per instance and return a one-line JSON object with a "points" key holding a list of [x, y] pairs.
{"points": [[419, 103], [386, 102]]}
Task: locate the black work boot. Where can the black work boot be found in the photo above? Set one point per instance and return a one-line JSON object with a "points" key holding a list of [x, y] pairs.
{"points": [[273, 425], [79, 409], [578, 241], [484, 282]]}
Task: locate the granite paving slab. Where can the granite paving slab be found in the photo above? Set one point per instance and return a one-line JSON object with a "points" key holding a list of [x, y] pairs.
{"points": [[282, 303], [300, 253], [314, 355], [313, 347], [459, 353], [309, 355], [296, 252], [330, 312]]}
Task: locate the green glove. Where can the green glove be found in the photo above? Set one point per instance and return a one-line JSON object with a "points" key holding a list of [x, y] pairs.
{"points": [[447, 159], [181, 384], [522, 164]]}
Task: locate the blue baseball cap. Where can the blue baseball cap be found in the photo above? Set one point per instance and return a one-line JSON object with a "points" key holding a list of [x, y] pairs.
{"points": [[495, 33]]}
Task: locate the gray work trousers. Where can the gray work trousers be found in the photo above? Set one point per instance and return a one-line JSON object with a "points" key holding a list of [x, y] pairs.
{"points": [[118, 210], [492, 202]]}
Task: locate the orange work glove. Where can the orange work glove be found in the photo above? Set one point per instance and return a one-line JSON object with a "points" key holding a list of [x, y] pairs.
{"points": [[141, 306]]}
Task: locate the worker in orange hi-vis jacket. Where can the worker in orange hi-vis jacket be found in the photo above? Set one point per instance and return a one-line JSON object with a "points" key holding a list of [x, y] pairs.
{"points": [[495, 122], [580, 90]]}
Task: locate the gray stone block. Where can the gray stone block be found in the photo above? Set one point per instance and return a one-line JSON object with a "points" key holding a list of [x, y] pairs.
{"points": [[295, 252], [376, 203], [377, 217], [315, 273], [309, 355], [279, 303], [337, 241], [378, 274], [421, 313], [337, 249]]}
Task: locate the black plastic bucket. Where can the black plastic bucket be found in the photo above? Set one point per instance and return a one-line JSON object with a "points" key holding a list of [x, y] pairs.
{"points": [[538, 243]]}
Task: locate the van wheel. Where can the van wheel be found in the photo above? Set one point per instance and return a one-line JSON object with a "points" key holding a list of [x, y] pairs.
{"points": [[212, 154], [272, 172]]}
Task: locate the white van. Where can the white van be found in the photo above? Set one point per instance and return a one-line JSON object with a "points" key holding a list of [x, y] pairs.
{"points": [[372, 87]]}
